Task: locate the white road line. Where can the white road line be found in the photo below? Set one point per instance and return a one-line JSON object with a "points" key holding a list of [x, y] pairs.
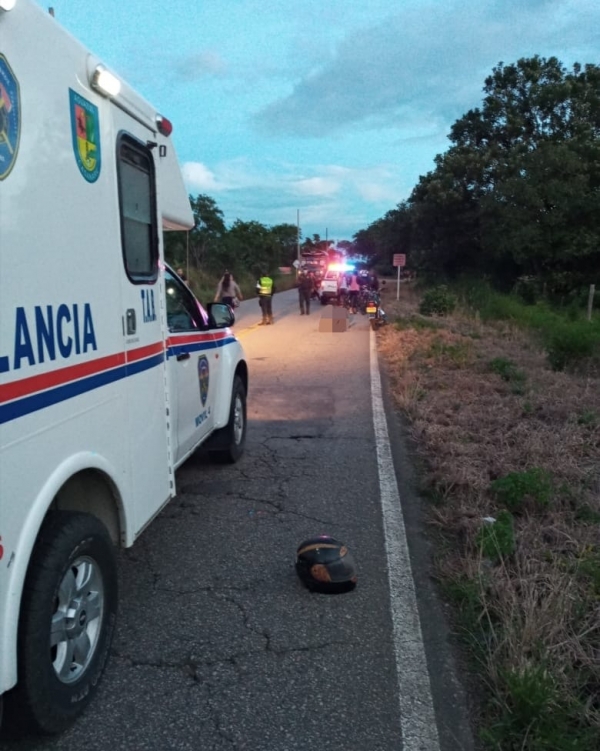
{"points": [[417, 716]]}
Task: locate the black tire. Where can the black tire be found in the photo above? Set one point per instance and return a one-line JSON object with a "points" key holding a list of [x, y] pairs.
{"points": [[73, 566], [227, 444], [374, 324]]}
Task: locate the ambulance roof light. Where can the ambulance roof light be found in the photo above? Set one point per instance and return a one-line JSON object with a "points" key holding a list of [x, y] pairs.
{"points": [[165, 126], [104, 81], [7, 4]]}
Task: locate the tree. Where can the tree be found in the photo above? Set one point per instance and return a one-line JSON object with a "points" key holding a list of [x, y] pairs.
{"points": [[256, 246], [286, 236], [208, 232], [516, 192]]}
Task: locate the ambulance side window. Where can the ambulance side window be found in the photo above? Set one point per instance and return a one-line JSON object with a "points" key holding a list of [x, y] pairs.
{"points": [[182, 309], [139, 234]]}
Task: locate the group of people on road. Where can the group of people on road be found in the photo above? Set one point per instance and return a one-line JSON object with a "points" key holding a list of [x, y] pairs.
{"points": [[349, 286], [229, 293]]}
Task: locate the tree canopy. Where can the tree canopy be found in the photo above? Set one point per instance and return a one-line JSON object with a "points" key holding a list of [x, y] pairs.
{"points": [[245, 246], [517, 191]]}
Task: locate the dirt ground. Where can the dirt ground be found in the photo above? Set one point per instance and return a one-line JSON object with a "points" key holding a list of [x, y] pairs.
{"points": [[483, 405]]}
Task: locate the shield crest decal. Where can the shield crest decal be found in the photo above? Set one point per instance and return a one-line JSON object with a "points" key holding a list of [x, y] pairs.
{"points": [[10, 118], [85, 127], [203, 378]]}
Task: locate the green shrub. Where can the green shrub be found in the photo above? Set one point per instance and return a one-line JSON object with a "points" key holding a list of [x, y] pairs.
{"points": [[438, 301], [509, 372], [506, 369], [516, 488], [468, 597], [589, 569], [418, 324], [587, 515], [528, 408], [489, 304], [496, 539], [459, 353], [588, 417], [533, 715], [569, 343]]}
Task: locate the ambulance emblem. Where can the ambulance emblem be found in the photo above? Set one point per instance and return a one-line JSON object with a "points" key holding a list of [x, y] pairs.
{"points": [[203, 377], [10, 118], [85, 127]]}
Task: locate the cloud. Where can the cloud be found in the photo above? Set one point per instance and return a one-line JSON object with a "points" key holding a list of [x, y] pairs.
{"points": [[345, 199], [198, 177], [318, 186], [425, 62], [198, 65]]}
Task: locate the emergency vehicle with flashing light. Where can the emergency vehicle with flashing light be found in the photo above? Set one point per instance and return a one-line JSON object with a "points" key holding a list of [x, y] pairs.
{"points": [[111, 372], [328, 291]]}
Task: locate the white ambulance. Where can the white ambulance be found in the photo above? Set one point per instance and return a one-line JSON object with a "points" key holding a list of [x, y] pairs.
{"points": [[111, 372]]}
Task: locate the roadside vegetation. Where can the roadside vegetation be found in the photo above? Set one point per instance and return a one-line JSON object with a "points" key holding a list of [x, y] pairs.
{"points": [[502, 400]]}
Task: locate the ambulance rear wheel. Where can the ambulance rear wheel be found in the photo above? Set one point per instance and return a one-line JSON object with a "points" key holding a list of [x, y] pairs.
{"points": [[229, 442], [67, 620]]}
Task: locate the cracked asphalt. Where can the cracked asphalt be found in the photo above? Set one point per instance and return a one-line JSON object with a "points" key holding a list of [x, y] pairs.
{"points": [[218, 645]]}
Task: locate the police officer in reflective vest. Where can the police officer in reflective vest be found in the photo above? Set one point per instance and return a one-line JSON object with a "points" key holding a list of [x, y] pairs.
{"points": [[265, 288]]}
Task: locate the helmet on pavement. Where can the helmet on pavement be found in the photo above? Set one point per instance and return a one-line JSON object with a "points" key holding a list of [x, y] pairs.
{"points": [[325, 565]]}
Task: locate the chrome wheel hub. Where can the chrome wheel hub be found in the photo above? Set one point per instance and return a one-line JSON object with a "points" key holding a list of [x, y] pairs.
{"points": [[77, 619]]}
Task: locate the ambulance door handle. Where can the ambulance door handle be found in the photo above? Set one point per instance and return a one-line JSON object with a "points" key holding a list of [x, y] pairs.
{"points": [[183, 356], [130, 321]]}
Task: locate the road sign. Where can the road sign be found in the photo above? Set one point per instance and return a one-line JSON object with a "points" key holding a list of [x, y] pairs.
{"points": [[399, 259]]}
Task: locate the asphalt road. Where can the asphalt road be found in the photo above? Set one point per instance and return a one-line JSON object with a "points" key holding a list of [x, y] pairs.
{"points": [[218, 645]]}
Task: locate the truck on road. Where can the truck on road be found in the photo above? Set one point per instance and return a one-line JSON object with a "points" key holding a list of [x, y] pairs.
{"points": [[111, 372]]}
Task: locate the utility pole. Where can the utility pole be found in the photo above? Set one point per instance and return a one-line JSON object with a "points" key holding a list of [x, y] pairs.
{"points": [[590, 304]]}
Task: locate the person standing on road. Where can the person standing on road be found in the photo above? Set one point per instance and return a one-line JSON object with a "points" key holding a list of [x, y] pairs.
{"points": [[265, 288], [305, 288], [353, 290], [228, 291]]}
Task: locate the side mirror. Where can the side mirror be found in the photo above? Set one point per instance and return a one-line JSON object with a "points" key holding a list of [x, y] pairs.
{"points": [[220, 316]]}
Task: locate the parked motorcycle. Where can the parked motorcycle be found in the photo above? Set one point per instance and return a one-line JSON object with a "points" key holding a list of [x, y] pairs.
{"points": [[374, 311]]}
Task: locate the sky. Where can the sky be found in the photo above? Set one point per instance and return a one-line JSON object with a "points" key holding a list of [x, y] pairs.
{"points": [[322, 110]]}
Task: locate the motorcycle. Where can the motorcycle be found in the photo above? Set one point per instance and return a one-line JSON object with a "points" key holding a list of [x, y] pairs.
{"points": [[374, 311]]}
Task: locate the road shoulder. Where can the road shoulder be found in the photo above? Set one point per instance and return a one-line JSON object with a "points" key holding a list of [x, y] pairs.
{"points": [[450, 697]]}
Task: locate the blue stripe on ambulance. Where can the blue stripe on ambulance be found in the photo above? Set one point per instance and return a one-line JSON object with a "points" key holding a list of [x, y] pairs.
{"points": [[33, 403]]}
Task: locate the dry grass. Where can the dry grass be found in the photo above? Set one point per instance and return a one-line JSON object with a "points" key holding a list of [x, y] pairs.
{"points": [[539, 606]]}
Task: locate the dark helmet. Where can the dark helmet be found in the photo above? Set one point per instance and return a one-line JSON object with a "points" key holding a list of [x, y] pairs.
{"points": [[325, 565]]}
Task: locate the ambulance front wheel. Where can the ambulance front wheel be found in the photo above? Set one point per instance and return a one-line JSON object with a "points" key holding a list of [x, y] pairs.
{"points": [[67, 620], [227, 444]]}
